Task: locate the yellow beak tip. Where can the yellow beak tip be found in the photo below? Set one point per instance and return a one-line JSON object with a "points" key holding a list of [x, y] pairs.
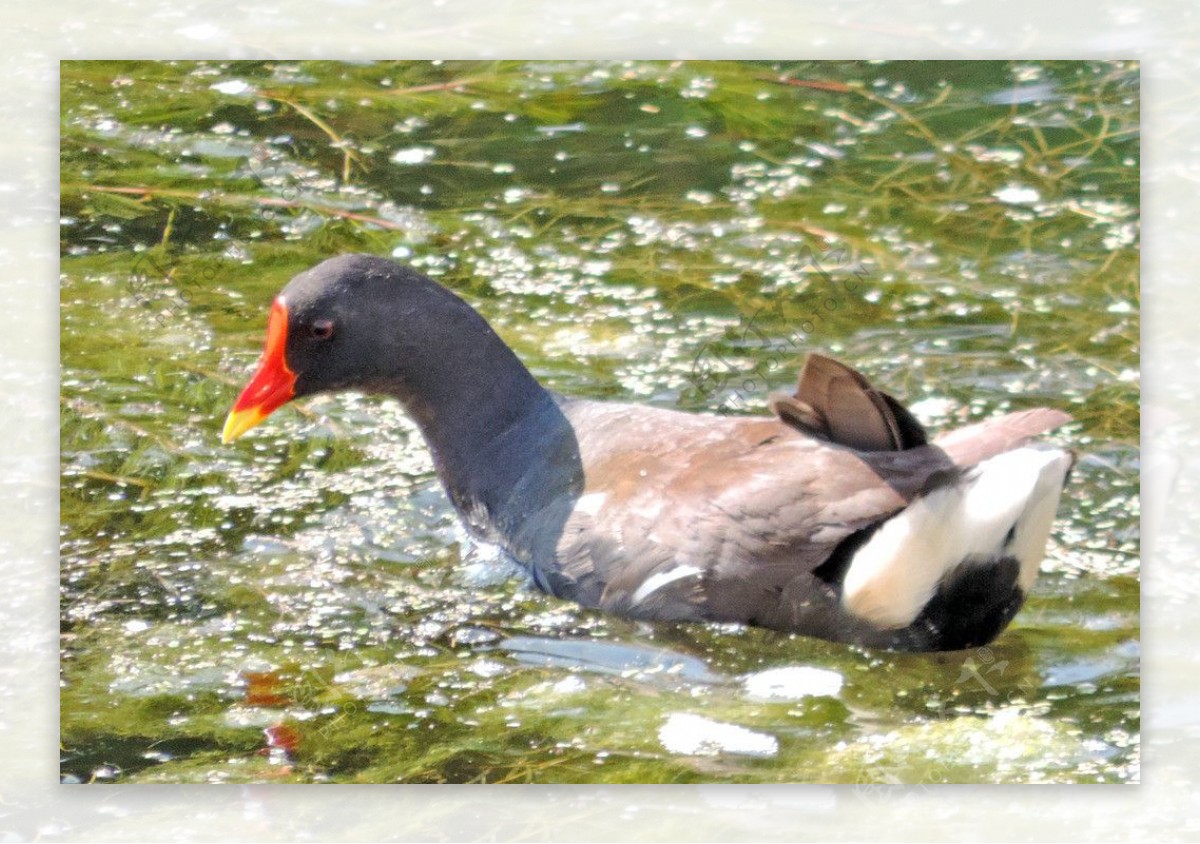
{"points": [[239, 422]]}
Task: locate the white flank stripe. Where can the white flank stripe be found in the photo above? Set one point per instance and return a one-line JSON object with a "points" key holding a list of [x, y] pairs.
{"points": [[590, 503], [657, 581]]}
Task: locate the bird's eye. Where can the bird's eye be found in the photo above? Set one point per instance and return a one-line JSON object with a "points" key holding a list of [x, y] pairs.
{"points": [[321, 329]]}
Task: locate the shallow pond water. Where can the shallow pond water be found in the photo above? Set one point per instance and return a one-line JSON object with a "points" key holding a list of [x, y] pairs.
{"points": [[301, 606]]}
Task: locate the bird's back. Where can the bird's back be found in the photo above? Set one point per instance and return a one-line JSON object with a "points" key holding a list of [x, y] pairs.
{"points": [[750, 519]]}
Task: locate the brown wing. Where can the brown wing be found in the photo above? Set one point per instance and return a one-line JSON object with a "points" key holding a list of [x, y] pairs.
{"points": [[838, 403], [691, 516]]}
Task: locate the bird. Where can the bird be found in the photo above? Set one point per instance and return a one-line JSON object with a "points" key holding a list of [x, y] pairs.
{"points": [[836, 516]]}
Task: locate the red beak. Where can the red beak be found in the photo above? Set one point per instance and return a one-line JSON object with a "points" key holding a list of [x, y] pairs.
{"points": [[272, 385]]}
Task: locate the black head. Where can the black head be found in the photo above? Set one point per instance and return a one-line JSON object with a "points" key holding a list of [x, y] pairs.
{"points": [[358, 322], [366, 323]]}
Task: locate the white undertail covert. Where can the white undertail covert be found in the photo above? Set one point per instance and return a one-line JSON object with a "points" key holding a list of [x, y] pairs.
{"points": [[1002, 507]]}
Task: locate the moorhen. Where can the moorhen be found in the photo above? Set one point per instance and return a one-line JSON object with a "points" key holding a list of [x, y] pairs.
{"points": [[834, 517]]}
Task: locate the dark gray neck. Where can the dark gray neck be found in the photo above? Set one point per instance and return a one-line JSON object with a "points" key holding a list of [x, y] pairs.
{"points": [[502, 448]]}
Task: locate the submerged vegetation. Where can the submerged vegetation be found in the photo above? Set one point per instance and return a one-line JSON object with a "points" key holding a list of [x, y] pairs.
{"points": [[301, 606]]}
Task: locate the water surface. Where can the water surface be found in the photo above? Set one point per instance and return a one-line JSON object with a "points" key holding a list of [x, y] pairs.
{"points": [[302, 607]]}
